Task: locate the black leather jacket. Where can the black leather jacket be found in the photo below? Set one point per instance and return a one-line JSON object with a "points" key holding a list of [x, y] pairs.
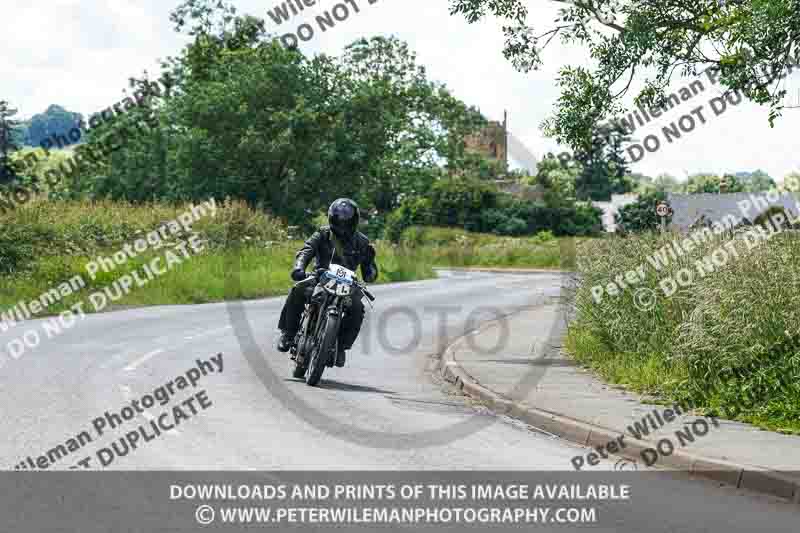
{"points": [[357, 252]]}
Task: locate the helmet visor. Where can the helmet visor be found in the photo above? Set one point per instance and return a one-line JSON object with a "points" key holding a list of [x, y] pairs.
{"points": [[343, 226]]}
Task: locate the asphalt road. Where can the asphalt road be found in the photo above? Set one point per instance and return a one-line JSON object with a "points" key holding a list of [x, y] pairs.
{"points": [[384, 411]]}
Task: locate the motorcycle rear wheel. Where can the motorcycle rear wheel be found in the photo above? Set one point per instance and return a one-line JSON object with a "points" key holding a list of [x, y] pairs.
{"points": [[323, 350]]}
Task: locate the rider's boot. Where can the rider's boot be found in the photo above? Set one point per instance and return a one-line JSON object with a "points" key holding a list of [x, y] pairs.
{"points": [[286, 341], [341, 357]]}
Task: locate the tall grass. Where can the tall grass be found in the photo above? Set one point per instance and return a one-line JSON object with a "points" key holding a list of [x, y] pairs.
{"points": [[246, 254], [459, 248], [41, 228], [729, 342]]}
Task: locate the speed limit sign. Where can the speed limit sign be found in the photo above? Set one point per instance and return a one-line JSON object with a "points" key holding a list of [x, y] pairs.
{"points": [[662, 210]]}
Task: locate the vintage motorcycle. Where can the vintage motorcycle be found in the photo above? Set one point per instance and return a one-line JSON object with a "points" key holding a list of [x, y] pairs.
{"points": [[315, 346]]}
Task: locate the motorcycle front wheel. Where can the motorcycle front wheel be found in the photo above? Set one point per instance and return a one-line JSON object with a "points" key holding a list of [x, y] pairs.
{"points": [[298, 371], [323, 350]]}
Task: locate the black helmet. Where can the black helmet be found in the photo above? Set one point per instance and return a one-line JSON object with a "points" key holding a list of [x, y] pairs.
{"points": [[343, 217]]}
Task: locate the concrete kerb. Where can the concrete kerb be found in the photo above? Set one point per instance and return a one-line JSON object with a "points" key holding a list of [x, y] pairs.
{"points": [[742, 476], [454, 373]]}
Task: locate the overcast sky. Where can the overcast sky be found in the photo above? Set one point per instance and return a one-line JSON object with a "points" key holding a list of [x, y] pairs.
{"points": [[80, 53]]}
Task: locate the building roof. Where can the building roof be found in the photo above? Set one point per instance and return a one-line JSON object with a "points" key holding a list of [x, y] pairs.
{"points": [[689, 208]]}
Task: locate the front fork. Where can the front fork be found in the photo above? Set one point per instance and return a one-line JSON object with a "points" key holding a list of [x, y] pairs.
{"points": [[301, 341], [301, 346]]}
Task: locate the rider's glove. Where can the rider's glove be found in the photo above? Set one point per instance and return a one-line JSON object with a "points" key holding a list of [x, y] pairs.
{"points": [[298, 274]]}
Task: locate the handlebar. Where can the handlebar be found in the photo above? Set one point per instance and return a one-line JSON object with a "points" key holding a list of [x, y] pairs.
{"points": [[366, 292], [318, 273]]}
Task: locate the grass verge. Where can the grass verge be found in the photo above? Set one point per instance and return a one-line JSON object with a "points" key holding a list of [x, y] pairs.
{"points": [[450, 247], [727, 343], [259, 273], [49, 242]]}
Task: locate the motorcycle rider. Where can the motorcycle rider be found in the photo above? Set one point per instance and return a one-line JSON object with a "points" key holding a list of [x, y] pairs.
{"points": [[341, 243]]}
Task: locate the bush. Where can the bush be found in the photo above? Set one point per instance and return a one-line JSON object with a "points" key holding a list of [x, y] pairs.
{"points": [[516, 218], [479, 208], [455, 202], [18, 247], [641, 215], [583, 220], [458, 202], [411, 212], [374, 226], [503, 222]]}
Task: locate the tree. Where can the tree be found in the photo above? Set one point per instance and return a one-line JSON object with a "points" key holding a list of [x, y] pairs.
{"points": [[8, 143], [757, 181], [251, 119], [666, 183], [478, 166], [728, 184], [713, 184], [662, 183], [791, 182], [604, 170], [557, 179], [54, 124], [641, 215], [642, 182], [703, 183], [417, 123], [748, 44]]}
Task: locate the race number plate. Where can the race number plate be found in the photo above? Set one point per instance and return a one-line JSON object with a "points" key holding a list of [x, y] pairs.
{"points": [[341, 273], [343, 290]]}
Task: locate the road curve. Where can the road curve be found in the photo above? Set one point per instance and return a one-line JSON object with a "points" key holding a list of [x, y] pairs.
{"points": [[385, 393]]}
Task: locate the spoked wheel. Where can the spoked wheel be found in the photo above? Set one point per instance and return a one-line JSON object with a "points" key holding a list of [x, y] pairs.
{"points": [[300, 350], [322, 350], [298, 371]]}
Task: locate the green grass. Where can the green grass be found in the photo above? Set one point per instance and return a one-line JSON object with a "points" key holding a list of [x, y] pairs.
{"points": [[727, 344], [211, 276], [646, 373], [247, 254], [458, 248], [39, 160]]}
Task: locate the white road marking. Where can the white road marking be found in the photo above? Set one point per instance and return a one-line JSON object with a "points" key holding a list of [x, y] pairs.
{"points": [[131, 367]]}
